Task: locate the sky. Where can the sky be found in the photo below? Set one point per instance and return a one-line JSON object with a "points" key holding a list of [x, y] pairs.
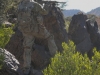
{"points": [[83, 5]]}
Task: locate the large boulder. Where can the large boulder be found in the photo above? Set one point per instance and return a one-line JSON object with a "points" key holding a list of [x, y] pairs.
{"points": [[11, 64], [78, 33], [94, 32]]}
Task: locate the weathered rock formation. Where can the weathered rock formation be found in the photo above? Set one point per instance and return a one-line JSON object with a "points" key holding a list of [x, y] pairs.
{"points": [[78, 33], [40, 54], [55, 24], [94, 32]]}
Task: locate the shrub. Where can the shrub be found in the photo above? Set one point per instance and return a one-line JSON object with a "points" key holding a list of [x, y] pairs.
{"points": [[5, 34], [1, 60], [67, 23], [70, 62]]}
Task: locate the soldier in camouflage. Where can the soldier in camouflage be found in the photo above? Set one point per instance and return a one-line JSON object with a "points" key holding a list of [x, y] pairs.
{"points": [[30, 23]]}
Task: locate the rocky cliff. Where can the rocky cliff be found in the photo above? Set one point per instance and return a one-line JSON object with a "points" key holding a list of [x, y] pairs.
{"points": [[55, 24]]}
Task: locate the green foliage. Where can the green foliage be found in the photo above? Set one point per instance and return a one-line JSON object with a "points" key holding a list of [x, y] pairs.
{"points": [[1, 60], [5, 5], [68, 18], [67, 23], [5, 34], [70, 62]]}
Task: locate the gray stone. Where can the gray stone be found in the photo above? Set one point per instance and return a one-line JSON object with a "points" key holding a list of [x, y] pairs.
{"points": [[11, 64], [78, 33]]}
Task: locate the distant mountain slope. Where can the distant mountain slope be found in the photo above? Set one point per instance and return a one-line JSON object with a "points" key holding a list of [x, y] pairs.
{"points": [[95, 11], [98, 21], [70, 12]]}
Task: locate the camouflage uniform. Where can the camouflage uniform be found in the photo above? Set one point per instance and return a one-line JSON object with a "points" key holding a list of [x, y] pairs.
{"points": [[30, 23]]}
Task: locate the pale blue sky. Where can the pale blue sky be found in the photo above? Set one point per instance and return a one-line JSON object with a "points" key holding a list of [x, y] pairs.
{"points": [[83, 5]]}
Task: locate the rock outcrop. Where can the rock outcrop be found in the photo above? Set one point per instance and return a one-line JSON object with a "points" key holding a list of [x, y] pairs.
{"points": [[94, 32], [55, 24], [40, 57], [78, 33], [11, 64]]}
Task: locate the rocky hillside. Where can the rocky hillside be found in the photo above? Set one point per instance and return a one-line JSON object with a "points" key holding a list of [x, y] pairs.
{"points": [[95, 11], [98, 21], [70, 12], [82, 32]]}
